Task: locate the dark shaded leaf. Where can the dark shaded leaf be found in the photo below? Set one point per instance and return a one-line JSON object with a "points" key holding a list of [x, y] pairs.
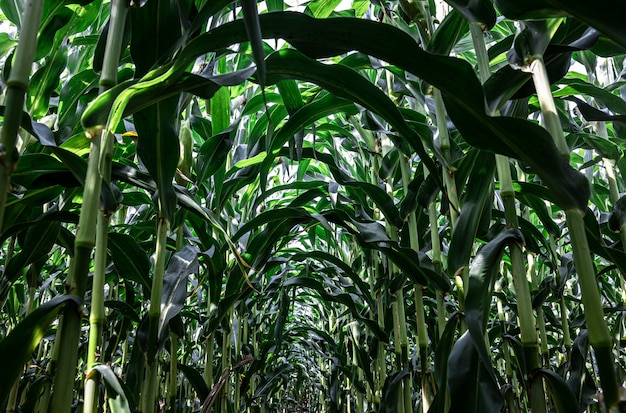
{"points": [[442, 353], [129, 259], [562, 397], [38, 130], [456, 79], [17, 348], [476, 199], [116, 397], [253, 29], [196, 380], [618, 215], [342, 298], [347, 84], [448, 33], [472, 380], [610, 24], [480, 11], [181, 264]]}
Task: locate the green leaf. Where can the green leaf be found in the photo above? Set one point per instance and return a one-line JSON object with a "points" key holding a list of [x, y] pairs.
{"points": [[480, 11], [38, 130], [455, 78], [579, 380], [479, 193], [181, 264], [196, 380], [253, 29], [13, 10], [123, 308], [116, 397], [46, 80], [18, 347], [618, 215], [213, 153], [610, 23], [322, 8], [597, 243], [6, 43], [38, 242], [342, 298], [448, 33], [391, 389], [129, 258], [579, 87], [471, 378], [472, 388], [158, 149], [442, 353], [347, 84], [562, 397], [72, 92], [482, 275]]}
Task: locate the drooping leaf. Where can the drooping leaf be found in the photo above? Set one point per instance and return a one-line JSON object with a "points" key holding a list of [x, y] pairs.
{"points": [[116, 397], [461, 89], [482, 275], [129, 258], [181, 264], [253, 29], [196, 380], [579, 380], [597, 17], [347, 84], [38, 130], [476, 199], [471, 384], [562, 397], [17, 347], [480, 11], [38, 242]]}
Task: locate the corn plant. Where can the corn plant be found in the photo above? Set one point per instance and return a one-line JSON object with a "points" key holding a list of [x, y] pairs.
{"points": [[333, 206]]}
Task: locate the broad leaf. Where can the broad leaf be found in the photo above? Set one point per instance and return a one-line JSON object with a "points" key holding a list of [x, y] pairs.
{"points": [[477, 197], [116, 397], [17, 348], [480, 11]]}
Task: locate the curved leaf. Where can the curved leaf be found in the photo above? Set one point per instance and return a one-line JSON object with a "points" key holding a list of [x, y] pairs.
{"points": [[345, 83], [480, 11], [38, 130], [116, 397], [560, 393], [483, 272], [618, 216], [471, 384], [253, 29], [17, 348], [610, 23], [342, 298], [462, 91], [181, 264], [129, 258], [479, 192]]}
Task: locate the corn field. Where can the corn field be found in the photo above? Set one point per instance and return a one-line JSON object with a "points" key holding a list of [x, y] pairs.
{"points": [[326, 206]]}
